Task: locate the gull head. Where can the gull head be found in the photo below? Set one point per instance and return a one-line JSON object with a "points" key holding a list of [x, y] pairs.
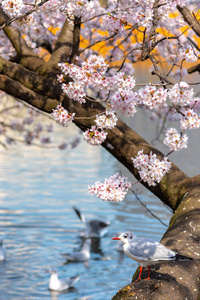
{"points": [[51, 271], [125, 237]]}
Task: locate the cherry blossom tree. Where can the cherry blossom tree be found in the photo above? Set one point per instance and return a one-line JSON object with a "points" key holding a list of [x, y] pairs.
{"points": [[86, 77]]}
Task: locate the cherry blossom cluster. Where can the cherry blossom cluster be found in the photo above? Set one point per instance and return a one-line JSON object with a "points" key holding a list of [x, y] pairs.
{"points": [[62, 116], [137, 12], [150, 168], [191, 120], [174, 140], [190, 55], [107, 120], [151, 97], [83, 8], [13, 7], [114, 24], [128, 14], [94, 136], [91, 73], [25, 21], [113, 188], [181, 94], [123, 100]]}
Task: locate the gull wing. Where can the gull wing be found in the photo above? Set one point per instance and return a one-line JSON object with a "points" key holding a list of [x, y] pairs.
{"points": [[149, 250]]}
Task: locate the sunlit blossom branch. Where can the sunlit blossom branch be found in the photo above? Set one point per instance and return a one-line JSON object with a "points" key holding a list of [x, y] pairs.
{"points": [[24, 15], [189, 18]]}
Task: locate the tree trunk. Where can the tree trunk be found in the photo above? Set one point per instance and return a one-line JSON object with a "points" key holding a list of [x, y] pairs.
{"points": [[174, 280]]}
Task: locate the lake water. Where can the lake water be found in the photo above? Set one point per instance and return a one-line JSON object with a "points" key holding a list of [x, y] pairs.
{"points": [[38, 188]]}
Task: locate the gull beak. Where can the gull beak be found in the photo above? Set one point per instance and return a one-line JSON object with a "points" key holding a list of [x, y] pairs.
{"points": [[116, 238]]}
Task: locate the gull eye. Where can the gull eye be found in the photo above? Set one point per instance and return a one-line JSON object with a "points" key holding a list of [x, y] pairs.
{"points": [[125, 236]]}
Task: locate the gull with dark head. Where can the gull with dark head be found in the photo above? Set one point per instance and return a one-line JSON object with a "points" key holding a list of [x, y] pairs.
{"points": [[147, 252], [93, 228]]}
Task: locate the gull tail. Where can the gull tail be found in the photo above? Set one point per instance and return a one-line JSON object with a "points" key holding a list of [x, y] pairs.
{"points": [[79, 214], [67, 256], [73, 280], [182, 258]]}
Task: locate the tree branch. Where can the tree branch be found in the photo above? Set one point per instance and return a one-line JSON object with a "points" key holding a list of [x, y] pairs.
{"points": [[63, 44], [15, 89], [189, 18], [26, 55], [76, 38], [31, 80]]}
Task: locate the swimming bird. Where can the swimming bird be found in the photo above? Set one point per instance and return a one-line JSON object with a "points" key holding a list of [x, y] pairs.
{"points": [[93, 228], [147, 252], [82, 255], [2, 251], [55, 284]]}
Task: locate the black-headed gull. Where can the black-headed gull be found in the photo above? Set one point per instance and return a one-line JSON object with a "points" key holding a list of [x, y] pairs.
{"points": [[82, 255], [93, 228], [55, 284], [147, 252], [2, 251]]}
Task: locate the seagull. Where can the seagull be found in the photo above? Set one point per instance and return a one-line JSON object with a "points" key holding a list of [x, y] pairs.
{"points": [[2, 251], [93, 228], [55, 284], [147, 252], [82, 255]]}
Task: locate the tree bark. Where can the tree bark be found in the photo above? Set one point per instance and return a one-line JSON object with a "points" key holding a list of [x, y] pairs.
{"points": [[174, 280]]}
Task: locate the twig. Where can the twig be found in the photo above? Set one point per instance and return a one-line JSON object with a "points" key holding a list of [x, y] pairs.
{"points": [[148, 209]]}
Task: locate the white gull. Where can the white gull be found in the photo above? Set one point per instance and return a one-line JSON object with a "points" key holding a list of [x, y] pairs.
{"points": [[82, 255], [147, 252], [55, 284]]}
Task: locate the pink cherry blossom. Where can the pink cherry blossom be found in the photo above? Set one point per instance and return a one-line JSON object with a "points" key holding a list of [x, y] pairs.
{"points": [[94, 136], [113, 188], [174, 140], [191, 120], [181, 94], [61, 116], [107, 120], [150, 168]]}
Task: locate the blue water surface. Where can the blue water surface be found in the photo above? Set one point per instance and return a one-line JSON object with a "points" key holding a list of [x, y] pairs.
{"points": [[38, 188]]}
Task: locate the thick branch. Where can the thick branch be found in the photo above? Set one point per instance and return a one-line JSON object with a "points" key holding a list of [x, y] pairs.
{"points": [[31, 80], [193, 69], [76, 38], [15, 89], [189, 18], [26, 55], [63, 45], [146, 49]]}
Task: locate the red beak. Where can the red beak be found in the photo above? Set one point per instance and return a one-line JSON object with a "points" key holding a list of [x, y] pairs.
{"points": [[116, 238]]}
